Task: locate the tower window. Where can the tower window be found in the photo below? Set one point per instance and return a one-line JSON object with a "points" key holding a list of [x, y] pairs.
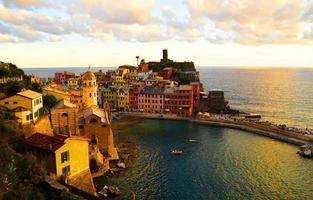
{"points": [[89, 94]]}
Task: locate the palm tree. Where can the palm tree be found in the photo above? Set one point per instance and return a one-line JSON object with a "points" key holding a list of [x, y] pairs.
{"points": [[137, 57]]}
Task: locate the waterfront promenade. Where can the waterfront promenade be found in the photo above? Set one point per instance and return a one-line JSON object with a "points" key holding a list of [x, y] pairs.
{"points": [[268, 131]]}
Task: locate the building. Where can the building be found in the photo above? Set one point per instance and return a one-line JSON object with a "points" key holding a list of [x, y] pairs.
{"points": [[150, 100], [110, 95], [62, 77], [58, 92], [166, 73], [133, 98], [122, 98], [96, 125], [73, 82], [216, 101], [179, 101], [26, 105], [64, 156], [90, 89], [64, 118], [165, 55], [131, 69], [196, 87]]}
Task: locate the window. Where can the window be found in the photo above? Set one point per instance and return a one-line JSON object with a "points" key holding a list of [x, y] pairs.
{"points": [[93, 121], [64, 115], [14, 102], [66, 170], [65, 156], [6, 102]]}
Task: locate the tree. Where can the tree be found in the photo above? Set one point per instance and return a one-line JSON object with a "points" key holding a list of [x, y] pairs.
{"points": [[49, 101]]}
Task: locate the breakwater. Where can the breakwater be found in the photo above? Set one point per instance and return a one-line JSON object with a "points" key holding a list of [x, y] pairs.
{"points": [[284, 136]]}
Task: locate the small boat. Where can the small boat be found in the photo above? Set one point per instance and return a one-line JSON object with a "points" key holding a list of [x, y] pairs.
{"points": [[176, 152], [194, 141]]}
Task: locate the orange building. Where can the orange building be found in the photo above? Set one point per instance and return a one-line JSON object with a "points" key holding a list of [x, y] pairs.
{"points": [[151, 100]]}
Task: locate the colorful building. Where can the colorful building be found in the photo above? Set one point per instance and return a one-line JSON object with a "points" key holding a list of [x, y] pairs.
{"points": [[150, 100], [64, 156], [26, 105], [62, 77], [122, 98], [179, 100], [110, 95], [73, 82]]}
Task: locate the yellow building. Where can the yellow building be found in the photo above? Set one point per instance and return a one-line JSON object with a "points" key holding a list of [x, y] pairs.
{"points": [[123, 98], [90, 89], [26, 105], [110, 95], [73, 82], [64, 156], [56, 91]]}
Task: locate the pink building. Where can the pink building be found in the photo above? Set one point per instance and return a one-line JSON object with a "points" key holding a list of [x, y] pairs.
{"points": [[151, 100]]}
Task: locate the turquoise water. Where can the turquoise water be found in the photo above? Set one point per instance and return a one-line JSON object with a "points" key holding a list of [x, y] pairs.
{"points": [[225, 164]]}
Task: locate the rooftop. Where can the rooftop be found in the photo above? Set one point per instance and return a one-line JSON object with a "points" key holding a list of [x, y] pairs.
{"points": [[152, 90], [46, 142], [30, 94]]}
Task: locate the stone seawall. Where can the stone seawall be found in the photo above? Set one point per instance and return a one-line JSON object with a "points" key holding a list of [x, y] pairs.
{"points": [[270, 134]]}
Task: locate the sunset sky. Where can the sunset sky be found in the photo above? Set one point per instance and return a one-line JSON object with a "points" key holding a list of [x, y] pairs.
{"points": [[255, 33]]}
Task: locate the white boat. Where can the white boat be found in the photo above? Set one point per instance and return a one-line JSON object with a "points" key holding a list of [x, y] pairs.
{"points": [[194, 141]]}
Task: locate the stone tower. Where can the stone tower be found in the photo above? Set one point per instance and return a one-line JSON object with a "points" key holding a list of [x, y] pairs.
{"points": [[90, 88]]}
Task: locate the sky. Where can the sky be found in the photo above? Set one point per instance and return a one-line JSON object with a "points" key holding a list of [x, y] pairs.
{"points": [[243, 33]]}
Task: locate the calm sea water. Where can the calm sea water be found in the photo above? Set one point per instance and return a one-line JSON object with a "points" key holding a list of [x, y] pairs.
{"points": [[225, 164], [279, 95]]}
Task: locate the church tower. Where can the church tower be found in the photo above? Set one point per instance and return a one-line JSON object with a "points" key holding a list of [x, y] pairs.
{"points": [[90, 88]]}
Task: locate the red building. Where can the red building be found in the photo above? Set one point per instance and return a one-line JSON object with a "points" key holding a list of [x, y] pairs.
{"points": [[196, 88], [179, 100], [166, 73], [61, 77]]}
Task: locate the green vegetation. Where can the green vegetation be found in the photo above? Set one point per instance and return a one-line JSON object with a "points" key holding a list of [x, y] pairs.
{"points": [[10, 70], [12, 87], [183, 66], [49, 101]]}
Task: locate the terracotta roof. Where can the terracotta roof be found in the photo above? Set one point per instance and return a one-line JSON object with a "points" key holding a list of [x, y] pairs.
{"points": [[46, 142], [29, 94]]}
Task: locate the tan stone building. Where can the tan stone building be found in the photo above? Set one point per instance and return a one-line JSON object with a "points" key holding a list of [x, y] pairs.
{"points": [[64, 118]]}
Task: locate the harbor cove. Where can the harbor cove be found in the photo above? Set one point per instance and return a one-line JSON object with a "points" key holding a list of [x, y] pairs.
{"points": [[224, 164]]}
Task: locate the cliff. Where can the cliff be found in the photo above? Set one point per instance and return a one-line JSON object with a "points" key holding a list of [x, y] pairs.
{"points": [[178, 66]]}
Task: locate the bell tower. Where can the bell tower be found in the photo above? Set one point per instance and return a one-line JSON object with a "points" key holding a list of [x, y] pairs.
{"points": [[90, 89]]}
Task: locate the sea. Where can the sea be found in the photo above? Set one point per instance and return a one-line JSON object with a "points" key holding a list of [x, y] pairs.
{"points": [[224, 163]]}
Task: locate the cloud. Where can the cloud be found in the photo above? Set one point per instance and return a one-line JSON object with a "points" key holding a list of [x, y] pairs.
{"points": [[247, 22], [22, 3], [252, 22]]}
